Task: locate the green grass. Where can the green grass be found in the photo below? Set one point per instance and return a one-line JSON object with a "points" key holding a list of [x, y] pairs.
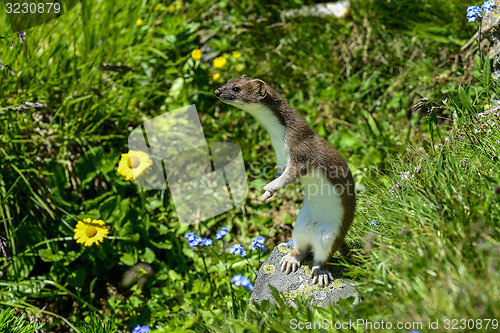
{"points": [[432, 255], [11, 324]]}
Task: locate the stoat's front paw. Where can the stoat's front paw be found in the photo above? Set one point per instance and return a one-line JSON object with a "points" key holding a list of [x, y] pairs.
{"points": [[269, 189], [267, 195], [289, 264], [321, 276]]}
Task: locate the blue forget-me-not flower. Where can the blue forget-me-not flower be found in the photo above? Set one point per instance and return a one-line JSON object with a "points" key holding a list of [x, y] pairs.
{"points": [[141, 329], [206, 241], [221, 233], [488, 6], [195, 242], [238, 249], [258, 242], [473, 12], [239, 280], [190, 236]]}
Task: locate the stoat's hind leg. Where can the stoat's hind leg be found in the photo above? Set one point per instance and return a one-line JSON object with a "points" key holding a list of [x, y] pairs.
{"points": [[322, 248], [320, 274], [302, 237], [291, 262]]}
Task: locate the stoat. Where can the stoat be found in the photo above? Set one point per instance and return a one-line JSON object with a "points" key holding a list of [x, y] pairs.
{"points": [[329, 195]]}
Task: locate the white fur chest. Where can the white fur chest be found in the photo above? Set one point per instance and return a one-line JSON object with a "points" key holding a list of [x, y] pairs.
{"points": [[274, 128]]}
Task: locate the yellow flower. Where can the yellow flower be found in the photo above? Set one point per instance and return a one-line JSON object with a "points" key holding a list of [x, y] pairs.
{"points": [[236, 54], [139, 21], [216, 76], [134, 164], [171, 8], [239, 67], [219, 62], [89, 232], [196, 54]]}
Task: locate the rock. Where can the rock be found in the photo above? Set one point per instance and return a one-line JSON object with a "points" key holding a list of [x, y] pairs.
{"points": [[298, 283], [338, 9], [491, 31]]}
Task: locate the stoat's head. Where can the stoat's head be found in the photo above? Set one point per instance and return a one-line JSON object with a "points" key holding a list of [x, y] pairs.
{"points": [[242, 91]]}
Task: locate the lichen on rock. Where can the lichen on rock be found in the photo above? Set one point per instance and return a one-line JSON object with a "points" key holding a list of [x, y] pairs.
{"points": [[298, 283]]}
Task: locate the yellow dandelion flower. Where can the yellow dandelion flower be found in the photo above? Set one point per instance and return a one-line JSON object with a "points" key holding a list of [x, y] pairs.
{"points": [[216, 76], [239, 67], [219, 62], [88, 232], [134, 164], [139, 21], [236, 54], [196, 54]]}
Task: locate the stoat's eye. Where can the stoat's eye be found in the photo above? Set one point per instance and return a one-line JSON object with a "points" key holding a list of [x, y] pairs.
{"points": [[236, 89]]}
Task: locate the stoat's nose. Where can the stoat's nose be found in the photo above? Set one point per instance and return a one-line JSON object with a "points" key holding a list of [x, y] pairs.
{"points": [[218, 92]]}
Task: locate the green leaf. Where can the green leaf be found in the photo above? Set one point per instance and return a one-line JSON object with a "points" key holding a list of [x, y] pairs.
{"points": [[277, 296], [490, 179], [129, 230], [21, 267], [48, 256], [464, 99], [427, 146], [108, 206], [148, 256], [176, 88], [77, 278], [129, 259], [486, 72]]}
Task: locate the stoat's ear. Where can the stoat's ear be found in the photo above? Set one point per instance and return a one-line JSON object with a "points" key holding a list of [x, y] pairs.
{"points": [[261, 88], [244, 75]]}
